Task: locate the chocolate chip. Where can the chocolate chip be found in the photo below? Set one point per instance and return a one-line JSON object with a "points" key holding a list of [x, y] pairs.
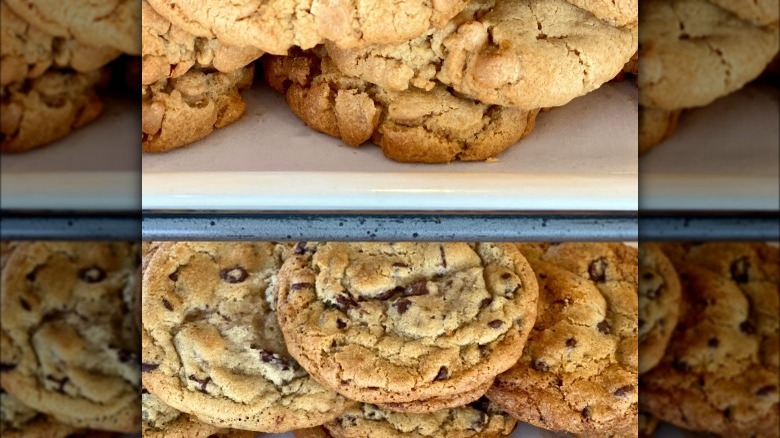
{"points": [[282, 362], [345, 302], [766, 390], [402, 305], [300, 248], [539, 365], [149, 367], [417, 288], [727, 412], [571, 342], [301, 286], [32, 274], [174, 275], [60, 382], [203, 382], [604, 327], [479, 423], [234, 275], [558, 382], [506, 276], [443, 258], [623, 390], [144, 391], [6, 366], [25, 305], [125, 356], [586, 413], [681, 365], [341, 324], [496, 323], [739, 270], [597, 269], [167, 304], [747, 328], [92, 275], [443, 374], [482, 404], [400, 265], [485, 303], [713, 342]]}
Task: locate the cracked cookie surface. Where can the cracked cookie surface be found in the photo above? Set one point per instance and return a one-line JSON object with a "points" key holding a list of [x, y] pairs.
{"points": [[659, 304], [417, 126], [615, 12], [36, 112], [71, 348], [578, 372], [212, 346], [719, 373], [162, 421], [692, 52], [402, 322], [521, 53], [477, 420], [275, 26], [179, 111], [170, 51]]}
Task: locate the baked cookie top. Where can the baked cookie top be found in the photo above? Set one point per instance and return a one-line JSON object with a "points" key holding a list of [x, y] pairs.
{"points": [[276, 26], [719, 373], [162, 421], [400, 322], [212, 346], [524, 53], [436, 126], [97, 23], [72, 348], [170, 51], [659, 304], [692, 52], [480, 419], [578, 372]]}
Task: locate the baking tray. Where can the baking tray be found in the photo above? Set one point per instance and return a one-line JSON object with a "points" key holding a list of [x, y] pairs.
{"points": [[95, 168], [580, 157], [724, 157]]}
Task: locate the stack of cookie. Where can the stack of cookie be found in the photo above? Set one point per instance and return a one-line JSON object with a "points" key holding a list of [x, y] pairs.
{"points": [[388, 339], [709, 341], [694, 51], [52, 55], [69, 356]]}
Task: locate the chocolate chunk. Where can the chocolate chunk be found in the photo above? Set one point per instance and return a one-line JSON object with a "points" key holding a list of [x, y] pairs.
{"points": [[586, 413], [727, 412], [479, 423], [443, 374], [25, 305], [283, 363], [400, 265], [443, 258], [485, 303], [623, 390], [766, 390], [604, 327], [506, 276], [149, 367], [402, 305], [167, 304], [6, 366], [681, 365], [203, 382], [60, 382], [739, 270], [558, 382], [482, 404], [125, 356], [571, 342], [539, 365], [234, 275], [747, 328], [713, 342], [345, 302], [301, 286], [144, 391], [92, 275], [598, 270], [496, 323], [386, 295], [300, 248], [417, 288], [174, 275], [341, 324]]}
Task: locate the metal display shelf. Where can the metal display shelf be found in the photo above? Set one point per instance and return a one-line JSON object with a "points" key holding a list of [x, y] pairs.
{"points": [[70, 226], [700, 226]]}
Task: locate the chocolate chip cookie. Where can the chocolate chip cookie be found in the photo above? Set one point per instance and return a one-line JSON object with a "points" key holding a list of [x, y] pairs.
{"points": [[162, 421], [719, 373], [436, 126], [522, 53], [35, 112], [438, 403], [578, 372], [179, 111], [71, 349], [275, 26], [19, 421], [170, 51], [481, 419], [212, 346], [656, 125], [404, 322], [659, 304]]}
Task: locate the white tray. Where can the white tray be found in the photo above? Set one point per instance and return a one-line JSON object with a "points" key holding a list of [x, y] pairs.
{"points": [[94, 168], [724, 156], [580, 157]]}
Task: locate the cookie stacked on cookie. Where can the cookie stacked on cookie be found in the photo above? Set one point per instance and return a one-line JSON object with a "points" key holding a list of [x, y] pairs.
{"points": [[51, 61], [695, 51]]}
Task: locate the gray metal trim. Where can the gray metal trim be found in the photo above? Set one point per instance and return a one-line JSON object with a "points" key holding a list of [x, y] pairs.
{"points": [[70, 226], [763, 226]]}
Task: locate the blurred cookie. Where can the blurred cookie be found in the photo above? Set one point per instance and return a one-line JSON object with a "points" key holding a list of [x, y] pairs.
{"points": [[757, 12], [436, 126], [578, 372], [656, 125], [647, 425], [521, 53], [179, 111], [615, 12]]}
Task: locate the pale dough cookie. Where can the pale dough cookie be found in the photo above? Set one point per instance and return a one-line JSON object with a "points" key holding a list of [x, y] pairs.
{"points": [[27, 52], [111, 23], [403, 322], [692, 52], [179, 111], [275, 26], [162, 421], [616, 12], [435, 126], [170, 51], [72, 351], [522, 53], [656, 125], [758, 12], [212, 346], [578, 373], [38, 111]]}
